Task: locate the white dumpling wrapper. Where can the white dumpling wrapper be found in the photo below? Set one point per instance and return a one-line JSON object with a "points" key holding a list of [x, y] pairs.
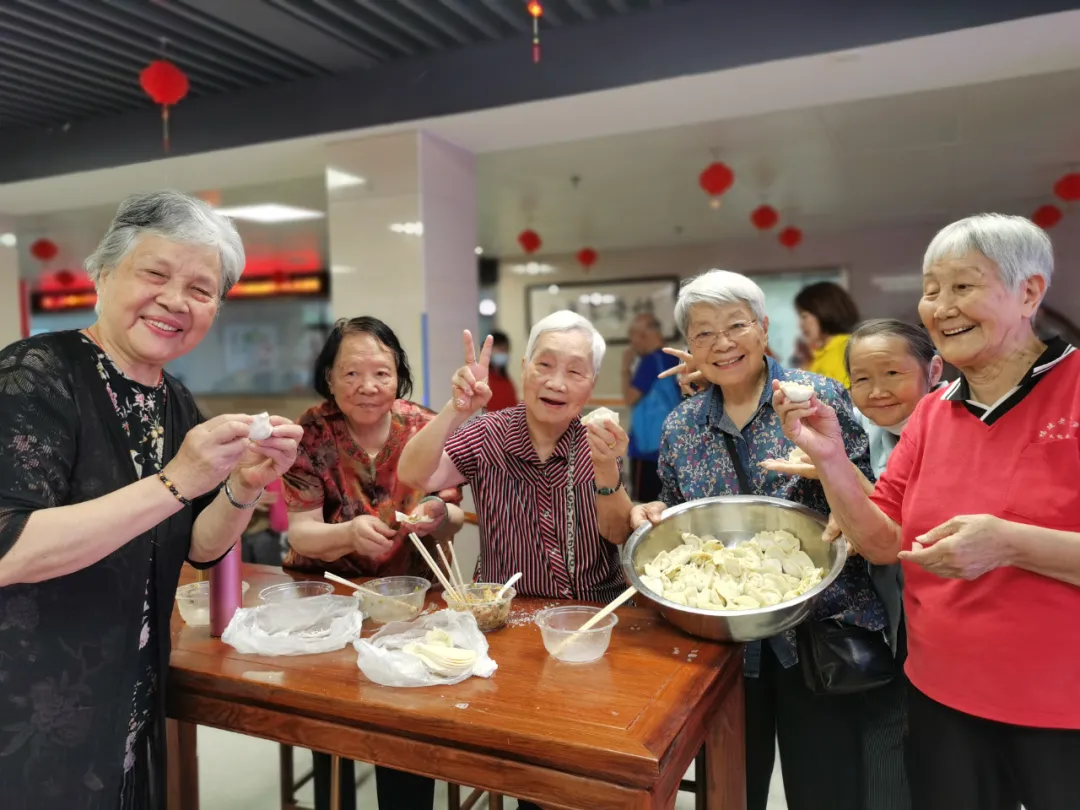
{"points": [[599, 416], [797, 392], [260, 427]]}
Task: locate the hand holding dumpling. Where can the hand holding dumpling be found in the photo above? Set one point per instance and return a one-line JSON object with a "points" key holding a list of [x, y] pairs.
{"points": [[265, 460], [811, 425]]}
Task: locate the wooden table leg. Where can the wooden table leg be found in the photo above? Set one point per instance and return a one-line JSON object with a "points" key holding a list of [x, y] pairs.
{"points": [[335, 782], [182, 790], [725, 748]]}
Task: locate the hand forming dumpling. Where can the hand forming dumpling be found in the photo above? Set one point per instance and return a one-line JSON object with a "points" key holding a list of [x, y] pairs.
{"points": [[260, 428]]}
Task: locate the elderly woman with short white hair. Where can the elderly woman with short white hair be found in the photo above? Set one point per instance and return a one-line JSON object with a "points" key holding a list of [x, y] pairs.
{"points": [[548, 490], [110, 479], [980, 503], [715, 444]]}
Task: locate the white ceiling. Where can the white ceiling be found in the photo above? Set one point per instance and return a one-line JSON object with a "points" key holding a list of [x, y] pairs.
{"points": [[923, 128], [927, 156]]}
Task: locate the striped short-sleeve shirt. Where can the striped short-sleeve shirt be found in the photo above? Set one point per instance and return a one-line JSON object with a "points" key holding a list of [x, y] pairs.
{"points": [[521, 505]]}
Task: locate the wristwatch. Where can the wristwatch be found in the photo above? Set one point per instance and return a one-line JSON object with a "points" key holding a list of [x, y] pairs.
{"points": [[606, 490]]}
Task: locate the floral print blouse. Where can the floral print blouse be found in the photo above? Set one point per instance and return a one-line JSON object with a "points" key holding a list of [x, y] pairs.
{"points": [[141, 410], [694, 463], [333, 473]]}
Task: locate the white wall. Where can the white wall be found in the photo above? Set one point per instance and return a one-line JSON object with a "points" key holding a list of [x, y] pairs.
{"points": [[866, 254]]}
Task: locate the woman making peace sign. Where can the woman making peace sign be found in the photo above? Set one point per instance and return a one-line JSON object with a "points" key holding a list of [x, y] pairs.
{"points": [[547, 489]]}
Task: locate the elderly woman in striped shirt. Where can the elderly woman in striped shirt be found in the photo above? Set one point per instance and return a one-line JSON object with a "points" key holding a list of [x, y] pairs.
{"points": [[548, 489]]}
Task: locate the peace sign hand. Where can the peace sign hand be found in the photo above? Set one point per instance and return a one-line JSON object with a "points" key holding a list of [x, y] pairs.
{"points": [[690, 379], [469, 383]]}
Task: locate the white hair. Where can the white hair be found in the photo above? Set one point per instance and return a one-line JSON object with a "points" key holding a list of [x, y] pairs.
{"points": [[566, 321], [173, 216], [1019, 247], [719, 288]]}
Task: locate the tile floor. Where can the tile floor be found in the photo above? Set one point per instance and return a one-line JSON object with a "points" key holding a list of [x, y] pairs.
{"points": [[241, 773]]}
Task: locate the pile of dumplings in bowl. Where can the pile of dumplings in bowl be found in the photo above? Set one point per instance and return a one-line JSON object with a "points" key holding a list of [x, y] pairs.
{"points": [[703, 573]]}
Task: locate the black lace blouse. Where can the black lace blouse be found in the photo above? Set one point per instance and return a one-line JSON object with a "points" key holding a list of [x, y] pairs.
{"points": [[84, 657]]}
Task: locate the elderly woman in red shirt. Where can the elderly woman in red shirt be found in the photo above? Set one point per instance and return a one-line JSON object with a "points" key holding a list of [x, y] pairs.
{"points": [[548, 490], [980, 504], [344, 490]]}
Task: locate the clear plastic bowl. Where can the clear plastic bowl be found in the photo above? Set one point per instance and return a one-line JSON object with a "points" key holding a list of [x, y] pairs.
{"points": [[403, 598], [288, 591], [194, 603], [490, 614], [558, 626]]}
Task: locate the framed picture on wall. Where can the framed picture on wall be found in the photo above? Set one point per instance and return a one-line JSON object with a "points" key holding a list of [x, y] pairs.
{"points": [[609, 304]]}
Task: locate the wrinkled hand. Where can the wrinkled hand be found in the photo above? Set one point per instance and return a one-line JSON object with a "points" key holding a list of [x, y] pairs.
{"points": [[965, 547], [643, 513], [265, 461], [691, 381], [372, 538], [208, 454], [798, 463], [470, 382], [812, 426], [435, 509], [607, 444]]}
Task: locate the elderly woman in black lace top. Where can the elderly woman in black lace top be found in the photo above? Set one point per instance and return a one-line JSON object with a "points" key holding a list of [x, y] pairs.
{"points": [[109, 480]]}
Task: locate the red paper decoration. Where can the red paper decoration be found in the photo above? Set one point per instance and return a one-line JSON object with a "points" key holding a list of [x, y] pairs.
{"points": [[587, 258], [529, 240], [716, 179], [789, 237], [764, 217], [1068, 187], [1047, 216], [167, 85], [44, 250], [65, 278]]}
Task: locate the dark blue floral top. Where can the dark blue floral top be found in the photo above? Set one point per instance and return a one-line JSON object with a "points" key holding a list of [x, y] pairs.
{"points": [[694, 463]]}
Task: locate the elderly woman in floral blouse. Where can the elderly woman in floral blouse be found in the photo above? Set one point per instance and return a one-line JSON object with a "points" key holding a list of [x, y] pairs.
{"points": [[722, 316]]}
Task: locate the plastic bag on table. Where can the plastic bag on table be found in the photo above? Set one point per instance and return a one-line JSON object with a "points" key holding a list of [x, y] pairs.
{"points": [[297, 627], [383, 660]]}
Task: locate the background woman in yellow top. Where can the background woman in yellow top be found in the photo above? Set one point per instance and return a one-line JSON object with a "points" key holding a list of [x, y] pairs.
{"points": [[827, 316]]}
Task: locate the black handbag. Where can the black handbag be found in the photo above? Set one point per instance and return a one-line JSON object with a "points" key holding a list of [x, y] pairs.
{"points": [[835, 658]]}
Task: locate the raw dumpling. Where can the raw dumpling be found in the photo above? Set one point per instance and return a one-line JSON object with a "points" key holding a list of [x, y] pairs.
{"points": [[599, 416], [260, 428], [797, 392]]}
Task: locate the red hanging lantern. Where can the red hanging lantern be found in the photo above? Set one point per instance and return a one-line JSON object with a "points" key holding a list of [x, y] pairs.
{"points": [[1047, 216], [716, 179], [44, 250], [587, 258], [790, 237], [1068, 187], [536, 11], [167, 85], [529, 240], [764, 217], [65, 278]]}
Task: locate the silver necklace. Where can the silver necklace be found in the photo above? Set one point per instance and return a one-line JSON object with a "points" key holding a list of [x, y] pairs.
{"points": [[571, 516]]}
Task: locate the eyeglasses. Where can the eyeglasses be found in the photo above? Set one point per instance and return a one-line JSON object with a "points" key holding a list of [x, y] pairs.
{"points": [[734, 332]]}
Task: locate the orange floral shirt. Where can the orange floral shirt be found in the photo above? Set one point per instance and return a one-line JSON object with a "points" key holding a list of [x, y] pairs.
{"points": [[334, 473]]}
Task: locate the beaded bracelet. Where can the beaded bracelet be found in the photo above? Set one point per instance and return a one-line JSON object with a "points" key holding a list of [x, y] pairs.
{"points": [[172, 488]]}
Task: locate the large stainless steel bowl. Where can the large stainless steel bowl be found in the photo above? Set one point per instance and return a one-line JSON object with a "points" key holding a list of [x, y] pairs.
{"points": [[731, 519]]}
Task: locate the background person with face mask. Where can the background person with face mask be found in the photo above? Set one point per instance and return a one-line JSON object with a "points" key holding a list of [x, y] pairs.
{"points": [[503, 393]]}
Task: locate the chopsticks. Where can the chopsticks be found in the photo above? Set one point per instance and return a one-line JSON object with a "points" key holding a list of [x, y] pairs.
{"points": [[602, 614], [447, 585]]}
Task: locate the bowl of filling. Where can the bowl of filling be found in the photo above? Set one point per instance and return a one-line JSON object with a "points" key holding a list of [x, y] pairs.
{"points": [[734, 568], [480, 600], [563, 639], [393, 599]]}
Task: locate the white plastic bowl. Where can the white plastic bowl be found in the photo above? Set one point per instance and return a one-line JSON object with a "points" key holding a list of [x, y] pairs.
{"points": [[194, 603], [558, 626]]}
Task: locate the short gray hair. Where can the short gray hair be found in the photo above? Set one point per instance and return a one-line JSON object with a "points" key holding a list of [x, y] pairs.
{"points": [[1019, 247], [566, 321], [173, 216], [719, 288]]}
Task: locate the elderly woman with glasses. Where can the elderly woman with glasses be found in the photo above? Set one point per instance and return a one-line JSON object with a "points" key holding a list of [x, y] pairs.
{"points": [[980, 504], [714, 444], [110, 479]]}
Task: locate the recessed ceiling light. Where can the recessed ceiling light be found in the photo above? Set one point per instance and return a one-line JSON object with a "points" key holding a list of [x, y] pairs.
{"points": [[479, 251], [270, 213], [335, 179], [487, 307], [410, 228], [553, 289], [340, 269], [7, 239], [532, 269]]}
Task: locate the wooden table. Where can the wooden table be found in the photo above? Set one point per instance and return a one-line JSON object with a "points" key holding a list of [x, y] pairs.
{"points": [[618, 733]]}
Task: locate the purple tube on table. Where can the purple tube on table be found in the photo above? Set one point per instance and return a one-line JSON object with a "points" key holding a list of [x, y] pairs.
{"points": [[226, 591]]}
